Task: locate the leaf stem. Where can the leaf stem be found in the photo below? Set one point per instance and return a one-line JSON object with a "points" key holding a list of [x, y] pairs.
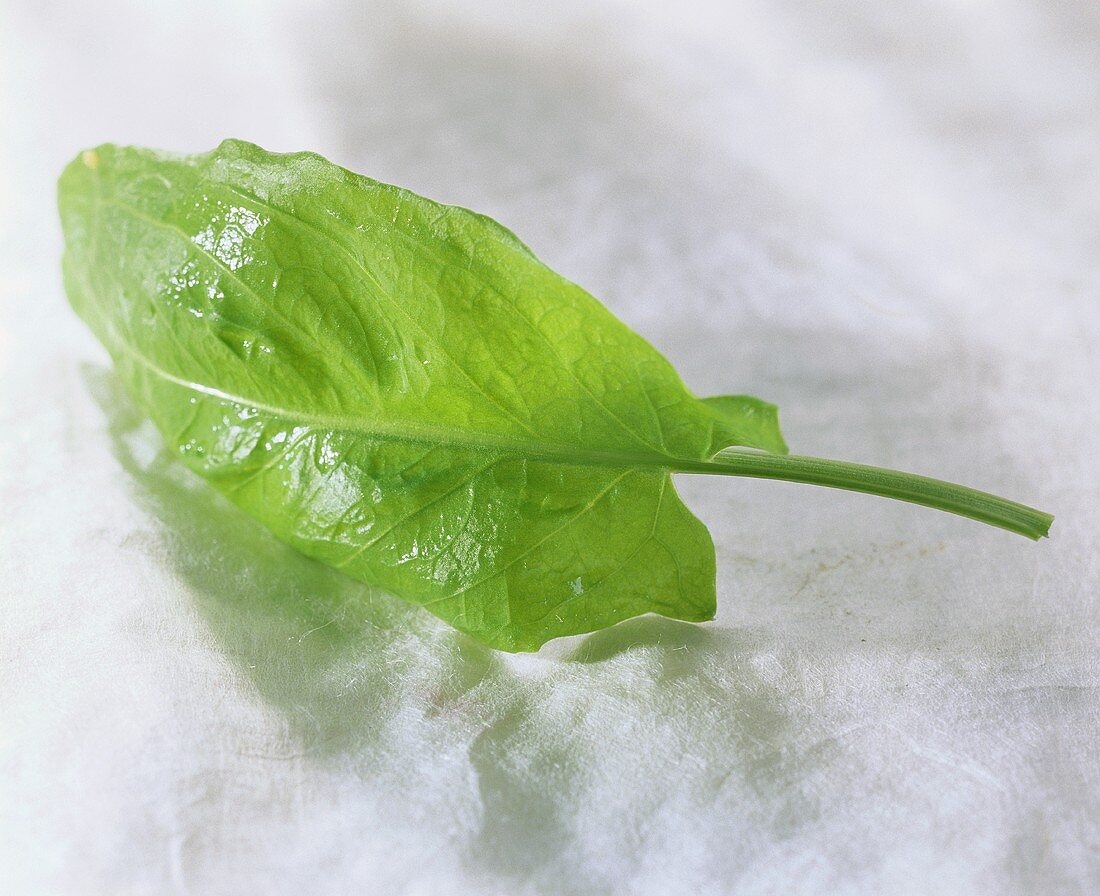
{"points": [[935, 493]]}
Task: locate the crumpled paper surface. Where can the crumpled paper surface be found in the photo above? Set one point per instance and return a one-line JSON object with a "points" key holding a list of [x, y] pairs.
{"points": [[884, 217]]}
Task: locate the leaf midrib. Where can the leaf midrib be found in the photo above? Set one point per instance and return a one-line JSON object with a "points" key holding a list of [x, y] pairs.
{"points": [[419, 433]]}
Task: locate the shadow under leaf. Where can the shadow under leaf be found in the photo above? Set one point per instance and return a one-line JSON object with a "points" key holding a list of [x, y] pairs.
{"points": [[334, 655], [356, 673]]}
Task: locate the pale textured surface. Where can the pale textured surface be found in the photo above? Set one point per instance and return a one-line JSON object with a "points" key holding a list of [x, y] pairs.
{"points": [[884, 218]]}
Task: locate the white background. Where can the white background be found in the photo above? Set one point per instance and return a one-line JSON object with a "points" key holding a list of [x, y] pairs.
{"points": [[883, 216]]}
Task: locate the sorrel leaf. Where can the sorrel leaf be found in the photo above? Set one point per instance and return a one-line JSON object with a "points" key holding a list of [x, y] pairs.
{"points": [[400, 389]]}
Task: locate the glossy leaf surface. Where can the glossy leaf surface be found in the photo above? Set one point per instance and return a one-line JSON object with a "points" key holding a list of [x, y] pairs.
{"points": [[399, 388]]}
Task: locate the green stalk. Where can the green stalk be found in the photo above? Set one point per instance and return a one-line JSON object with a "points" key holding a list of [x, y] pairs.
{"points": [[935, 493]]}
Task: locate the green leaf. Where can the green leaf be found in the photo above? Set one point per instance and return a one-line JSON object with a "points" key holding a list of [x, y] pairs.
{"points": [[400, 389]]}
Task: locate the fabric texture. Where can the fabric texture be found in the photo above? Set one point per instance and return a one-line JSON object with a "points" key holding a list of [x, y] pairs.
{"points": [[884, 217]]}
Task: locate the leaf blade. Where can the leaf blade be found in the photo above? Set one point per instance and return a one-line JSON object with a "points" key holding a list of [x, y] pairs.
{"points": [[274, 313]]}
